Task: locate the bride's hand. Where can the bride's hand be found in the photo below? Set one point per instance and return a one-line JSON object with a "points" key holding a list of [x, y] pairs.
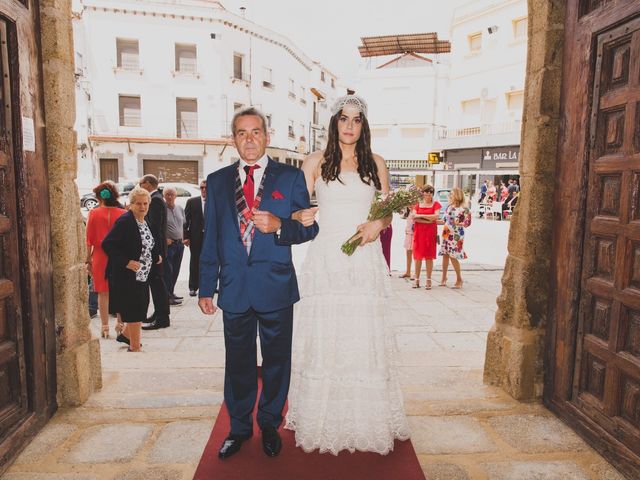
{"points": [[369, 231], [306, 217]]}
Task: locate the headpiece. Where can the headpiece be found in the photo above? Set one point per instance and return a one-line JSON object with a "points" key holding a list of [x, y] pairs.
{"points": [[352, 101]]}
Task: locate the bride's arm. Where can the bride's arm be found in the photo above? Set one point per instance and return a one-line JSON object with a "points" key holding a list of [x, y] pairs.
{"points": [[310, 168]]}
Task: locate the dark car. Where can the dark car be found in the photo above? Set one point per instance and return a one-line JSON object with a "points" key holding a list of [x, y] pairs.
{"points": [[89, 200]]}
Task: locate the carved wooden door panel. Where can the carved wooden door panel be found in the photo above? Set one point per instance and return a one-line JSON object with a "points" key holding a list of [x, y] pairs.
{"points": [[13, 389], [595, 377]]}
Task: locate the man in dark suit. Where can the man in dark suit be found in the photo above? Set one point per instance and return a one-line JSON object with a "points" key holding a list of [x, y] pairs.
{"points": [[194, 233], [157, 219], [247, 254]]}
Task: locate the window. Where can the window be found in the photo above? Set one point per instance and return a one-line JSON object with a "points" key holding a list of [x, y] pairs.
{"points": [[129, 107], [302, 129], [267, 77], [520, 28], [291, 132], [186, 58], [413, 132], [322, 75], [269, 120], [237, 66], [128, 54], [303, 95], [379, 132], [187, 117], [471, 107], [237, 106], [292, 87], [515, 100], [475, 42], [333, 83]]}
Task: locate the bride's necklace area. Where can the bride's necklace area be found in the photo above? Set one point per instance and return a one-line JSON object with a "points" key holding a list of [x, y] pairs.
{"points": [[349, 164]]}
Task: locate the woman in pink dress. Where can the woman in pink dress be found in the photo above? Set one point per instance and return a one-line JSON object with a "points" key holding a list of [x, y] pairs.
{"points": [[408, 241], [99, 223], [425, 234]]}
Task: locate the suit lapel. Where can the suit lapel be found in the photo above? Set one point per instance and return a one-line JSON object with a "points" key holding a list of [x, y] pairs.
{"points": [[230, 183]]}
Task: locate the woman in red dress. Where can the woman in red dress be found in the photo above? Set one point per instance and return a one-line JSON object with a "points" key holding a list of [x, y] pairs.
{"points": [[425, 234], [100, 221]]}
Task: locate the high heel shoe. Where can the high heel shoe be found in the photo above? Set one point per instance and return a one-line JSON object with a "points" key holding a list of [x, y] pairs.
{"points": [[104, 331], [416, 284], [443, 283], [458, 285], [428, 284], [119, 327]]}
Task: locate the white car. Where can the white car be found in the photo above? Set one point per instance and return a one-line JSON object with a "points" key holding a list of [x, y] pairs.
{"points": [[185, 191]]}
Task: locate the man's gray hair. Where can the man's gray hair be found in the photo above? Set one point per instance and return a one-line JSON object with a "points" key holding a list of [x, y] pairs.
{"points": [[169, 188], [249, 111], [150, 179]]}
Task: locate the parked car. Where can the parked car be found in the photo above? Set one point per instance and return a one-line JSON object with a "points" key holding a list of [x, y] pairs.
{"points": [[89, 200], [184, 191]]}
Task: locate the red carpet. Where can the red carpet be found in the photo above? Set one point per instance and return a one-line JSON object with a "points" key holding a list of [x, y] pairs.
{"points": [[250, 463]]}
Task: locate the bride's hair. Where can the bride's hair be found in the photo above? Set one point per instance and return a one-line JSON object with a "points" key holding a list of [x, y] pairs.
{"points": [[367, 168]]}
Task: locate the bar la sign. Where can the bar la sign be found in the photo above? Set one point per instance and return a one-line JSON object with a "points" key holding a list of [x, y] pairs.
{"points": [[501, 154]]}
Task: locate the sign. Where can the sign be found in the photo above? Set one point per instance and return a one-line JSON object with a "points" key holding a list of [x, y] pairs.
{"points": [[28, 135], [501, 154], [434, 158]]}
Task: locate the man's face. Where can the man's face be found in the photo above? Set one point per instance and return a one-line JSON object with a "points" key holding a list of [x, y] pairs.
{"points": [[146, 185], [169, 197], [250, 138], [203, 189]]}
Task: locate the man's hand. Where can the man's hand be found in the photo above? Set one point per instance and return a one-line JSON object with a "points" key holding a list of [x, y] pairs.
{"points": [[266, 222], [306, 216], [186, 242], [207, 306]]}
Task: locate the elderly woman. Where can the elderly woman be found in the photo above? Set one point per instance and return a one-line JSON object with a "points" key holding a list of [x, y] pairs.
{"points": [[99, 223], [457, 217], [133, 251]]}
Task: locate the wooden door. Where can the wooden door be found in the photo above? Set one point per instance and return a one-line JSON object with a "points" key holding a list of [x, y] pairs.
{"points": [[109, 169], [185, 171], [594, 366], [27, 323]]}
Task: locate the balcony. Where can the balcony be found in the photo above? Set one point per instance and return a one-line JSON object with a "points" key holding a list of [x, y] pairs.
{"points": [[504, 133], [407, 166]]}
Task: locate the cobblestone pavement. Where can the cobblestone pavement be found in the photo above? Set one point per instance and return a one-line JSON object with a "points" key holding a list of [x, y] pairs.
{"points": [[156, 410]]}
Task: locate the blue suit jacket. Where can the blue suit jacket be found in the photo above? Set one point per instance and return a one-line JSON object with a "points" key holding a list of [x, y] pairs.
{"points": [[265, 279]]}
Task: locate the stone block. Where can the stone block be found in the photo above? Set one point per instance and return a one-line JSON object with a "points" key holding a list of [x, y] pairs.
{"points": [[537, 433], [445, 471], [152, 473], [75, 375], [181, 442], [109, 443], [536, 470], [449, 436], [51, 437], [49, 476]]}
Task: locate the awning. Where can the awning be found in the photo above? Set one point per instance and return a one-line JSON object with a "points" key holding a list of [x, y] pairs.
{"points": [[397, 44], [318, 93]]}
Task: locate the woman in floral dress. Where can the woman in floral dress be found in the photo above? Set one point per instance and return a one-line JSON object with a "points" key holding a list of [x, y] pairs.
{"points": [[457, 217]]}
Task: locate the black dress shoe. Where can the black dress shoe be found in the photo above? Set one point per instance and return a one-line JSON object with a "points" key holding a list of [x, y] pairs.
{"points": [[175, 297], [155, 325], [192, 293], [271, 442], [231, 445], [123, 339], [174, 302]]}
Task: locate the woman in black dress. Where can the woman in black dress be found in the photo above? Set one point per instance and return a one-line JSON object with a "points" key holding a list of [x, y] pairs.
{"points": [[133, 251]]}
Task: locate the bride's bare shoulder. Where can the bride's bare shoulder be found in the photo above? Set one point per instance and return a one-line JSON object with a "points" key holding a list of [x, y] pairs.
{"points": [[312, 162]]}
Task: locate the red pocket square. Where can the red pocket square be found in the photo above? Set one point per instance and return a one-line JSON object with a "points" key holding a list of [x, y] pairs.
{"points": [[276, 195]]}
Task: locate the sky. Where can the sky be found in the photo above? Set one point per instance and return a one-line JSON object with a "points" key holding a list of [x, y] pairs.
{"points": [[329, 31]]}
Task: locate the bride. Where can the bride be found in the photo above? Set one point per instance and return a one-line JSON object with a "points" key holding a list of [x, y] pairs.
{"points": [[344, 392]]}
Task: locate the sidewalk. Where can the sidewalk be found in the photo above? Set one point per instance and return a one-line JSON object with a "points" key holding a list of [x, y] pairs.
{"points": [[156, 410]]}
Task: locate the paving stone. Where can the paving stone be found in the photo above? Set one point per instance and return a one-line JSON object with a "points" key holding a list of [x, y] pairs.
{"points": [[463, 341], [48, 476], [449, 435], [168, 381], [416, 342], [152, 473], [559, 470], [51, 436], [147, 400], [445, 471], [111, 443], [181, 442], [536, 433]]}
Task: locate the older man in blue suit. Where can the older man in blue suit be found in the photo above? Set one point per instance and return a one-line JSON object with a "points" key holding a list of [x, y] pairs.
{"points": [[246, 254]]}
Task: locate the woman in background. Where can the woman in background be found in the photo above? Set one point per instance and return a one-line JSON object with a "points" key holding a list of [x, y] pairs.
{"points": [[408, 241], [457, 217], [99, 223], [425, 234]]}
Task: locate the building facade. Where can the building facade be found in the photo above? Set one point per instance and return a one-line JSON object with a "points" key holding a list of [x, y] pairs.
{"points": [[158, 82], [480, 136]]}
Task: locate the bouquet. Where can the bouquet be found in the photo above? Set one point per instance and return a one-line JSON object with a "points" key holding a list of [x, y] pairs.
{"points": [[383, 207]]}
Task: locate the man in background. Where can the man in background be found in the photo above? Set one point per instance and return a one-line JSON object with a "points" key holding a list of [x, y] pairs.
{"points": [[194, 233], [175, 248]]}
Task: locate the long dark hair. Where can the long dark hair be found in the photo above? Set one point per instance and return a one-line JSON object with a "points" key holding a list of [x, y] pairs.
{"points": [[367, 168]]}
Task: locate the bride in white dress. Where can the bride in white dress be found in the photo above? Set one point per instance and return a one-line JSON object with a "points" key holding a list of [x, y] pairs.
{"points": [[344, 392]]}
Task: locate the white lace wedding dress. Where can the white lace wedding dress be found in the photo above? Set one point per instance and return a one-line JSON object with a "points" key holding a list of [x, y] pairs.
{"points": [[344, 392]]}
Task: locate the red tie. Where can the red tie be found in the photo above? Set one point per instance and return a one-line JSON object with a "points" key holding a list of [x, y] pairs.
{"points": [[248, 186]]}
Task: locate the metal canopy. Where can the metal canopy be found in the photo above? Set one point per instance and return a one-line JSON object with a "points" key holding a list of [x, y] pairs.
{"points": [[396, 44]]}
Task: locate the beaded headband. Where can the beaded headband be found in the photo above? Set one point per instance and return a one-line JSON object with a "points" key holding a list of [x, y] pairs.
{"points": [[351, 101]]}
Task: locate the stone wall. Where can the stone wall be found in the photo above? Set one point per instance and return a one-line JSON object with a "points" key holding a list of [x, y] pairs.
{"points": [[515, 346], [78, 354]]}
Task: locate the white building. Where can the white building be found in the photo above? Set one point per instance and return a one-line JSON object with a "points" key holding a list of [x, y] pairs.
{"points": [[485, 94], [404, 95], [158, 82]]}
